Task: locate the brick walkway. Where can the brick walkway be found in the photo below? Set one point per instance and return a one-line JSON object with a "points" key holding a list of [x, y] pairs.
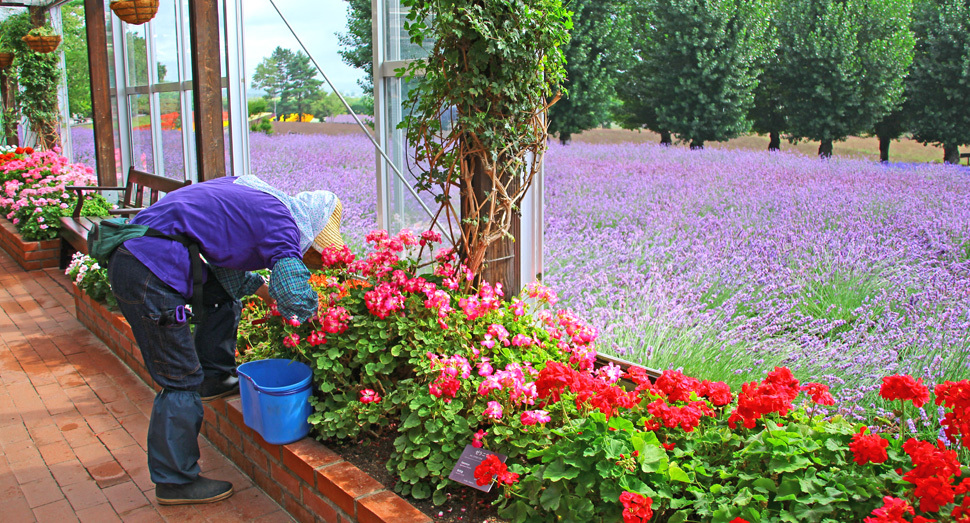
{"points": [[73, 420]]}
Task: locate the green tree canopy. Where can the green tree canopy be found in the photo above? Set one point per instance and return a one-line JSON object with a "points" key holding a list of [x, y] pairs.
{"points": [[358, 51], [939, 85], [594, 56], [703, 59], [290, 77], [842, 65]]}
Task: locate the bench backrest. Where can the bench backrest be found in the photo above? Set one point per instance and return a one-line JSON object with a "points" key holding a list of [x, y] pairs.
{"points": [[140, 182]]}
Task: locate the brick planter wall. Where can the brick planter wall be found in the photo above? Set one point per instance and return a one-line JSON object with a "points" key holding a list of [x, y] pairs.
{"points": [[29, 255], [310, 481]]}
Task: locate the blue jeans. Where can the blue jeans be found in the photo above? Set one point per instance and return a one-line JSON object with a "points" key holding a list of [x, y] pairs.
{"points": [[175, 358]]}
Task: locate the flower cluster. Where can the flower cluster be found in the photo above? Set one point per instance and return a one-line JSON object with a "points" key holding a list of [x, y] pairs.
{"points": [[905, 388], [868, 448], [636, 507], [491, 467], [955, 397], [774, 394], [33, 194]]}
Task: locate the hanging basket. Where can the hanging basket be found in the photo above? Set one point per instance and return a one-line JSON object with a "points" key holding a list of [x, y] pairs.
{"points": [[135, 12], [42, 44], [5, 60]]}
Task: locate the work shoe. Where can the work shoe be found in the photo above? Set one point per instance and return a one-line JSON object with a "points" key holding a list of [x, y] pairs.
{"points": [[202, 490], [218, 387]]}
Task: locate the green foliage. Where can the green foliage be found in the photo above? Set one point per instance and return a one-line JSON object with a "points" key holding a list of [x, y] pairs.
{"points": [[596, 52], [706, 55], [362, 105], [939, 84], [328, 104], [357, 45], [257, 106], [91, 279], [261, 125], [290, 77], [38, 76], [842, 65], [801, 469]]}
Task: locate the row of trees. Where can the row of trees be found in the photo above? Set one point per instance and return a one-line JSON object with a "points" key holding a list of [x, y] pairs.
{"points": [[711, 70]]}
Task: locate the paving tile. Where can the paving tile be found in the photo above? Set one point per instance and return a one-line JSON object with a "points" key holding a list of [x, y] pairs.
{"points": [[84, 494], [41, 491], [125, 497], [59, 511], [69, 472], [103, 513]]}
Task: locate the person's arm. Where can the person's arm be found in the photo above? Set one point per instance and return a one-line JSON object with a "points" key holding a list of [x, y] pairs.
{"points": [[289, 285], [238, 284]]}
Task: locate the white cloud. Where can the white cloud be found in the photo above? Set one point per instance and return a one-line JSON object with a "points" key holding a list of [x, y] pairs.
{"points": [[316, 22]]}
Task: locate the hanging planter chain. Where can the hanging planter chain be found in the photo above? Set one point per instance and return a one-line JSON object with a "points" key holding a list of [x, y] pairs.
{"points": [[135, 12]]}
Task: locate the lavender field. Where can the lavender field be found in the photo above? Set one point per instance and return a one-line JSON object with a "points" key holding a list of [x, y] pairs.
{"points": [[727, 263]]}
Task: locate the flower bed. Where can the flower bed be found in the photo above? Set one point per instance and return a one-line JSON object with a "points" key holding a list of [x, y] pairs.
{"points": [[30, 255], [33, 197], [403, 348], [311, 482]]}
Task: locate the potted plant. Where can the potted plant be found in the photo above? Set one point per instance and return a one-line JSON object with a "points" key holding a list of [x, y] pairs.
{"points": [[6, 57], [42, 39], [135, 11]]}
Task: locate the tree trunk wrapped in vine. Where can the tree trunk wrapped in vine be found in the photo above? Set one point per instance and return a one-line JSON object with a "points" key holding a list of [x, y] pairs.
{"points": [[478, 120]]}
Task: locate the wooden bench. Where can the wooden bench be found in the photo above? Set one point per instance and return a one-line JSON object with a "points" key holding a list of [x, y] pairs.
{"points": [[965, 156], [75, 228]]}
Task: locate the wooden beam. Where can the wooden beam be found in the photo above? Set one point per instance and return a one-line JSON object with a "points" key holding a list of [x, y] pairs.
{"points": [[104, 138], [207, 83]]}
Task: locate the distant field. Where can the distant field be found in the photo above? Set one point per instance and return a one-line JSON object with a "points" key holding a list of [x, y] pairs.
{"points": [[903, 151]]}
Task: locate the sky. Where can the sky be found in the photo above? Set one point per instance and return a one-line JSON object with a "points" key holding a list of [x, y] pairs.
{"points": [[316, 22]]}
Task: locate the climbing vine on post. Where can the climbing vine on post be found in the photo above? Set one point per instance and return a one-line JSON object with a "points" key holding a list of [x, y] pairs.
{"points": [[477, 120]]}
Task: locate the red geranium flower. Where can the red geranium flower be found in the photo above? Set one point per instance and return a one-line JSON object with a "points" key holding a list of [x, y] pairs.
{"points": [[955, 396], [868, 448], [492, 467], [904, 387], [636, 507], [819, 393], [891, 511]]}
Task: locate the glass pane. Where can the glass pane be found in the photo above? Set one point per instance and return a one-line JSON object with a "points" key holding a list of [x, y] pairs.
{"points": [[188, 131], [404, 209], [172, 125], [142, 157], [137, 53], [166, 43], [397, 42], [78, 83], [226, 134]]}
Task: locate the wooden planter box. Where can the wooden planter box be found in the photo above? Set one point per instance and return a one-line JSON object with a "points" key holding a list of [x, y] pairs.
{"points": [[29, 255], [310, 481]]}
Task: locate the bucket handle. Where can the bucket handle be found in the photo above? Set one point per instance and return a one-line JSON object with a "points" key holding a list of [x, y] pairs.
{"points": [[274, 393]]}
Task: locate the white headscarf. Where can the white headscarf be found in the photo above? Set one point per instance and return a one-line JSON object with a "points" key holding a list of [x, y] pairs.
{"points": [[310, 209]]}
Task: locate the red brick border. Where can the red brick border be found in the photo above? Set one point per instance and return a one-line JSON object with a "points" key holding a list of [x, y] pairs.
{"points": [[29, 255], [310, 481]]}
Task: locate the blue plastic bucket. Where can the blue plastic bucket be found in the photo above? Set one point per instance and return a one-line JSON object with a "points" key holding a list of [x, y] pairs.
{"points": [[275, 397]]}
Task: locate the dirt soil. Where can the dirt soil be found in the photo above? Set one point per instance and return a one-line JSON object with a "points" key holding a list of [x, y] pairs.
{"points": [[465, 504], [902, 150]]}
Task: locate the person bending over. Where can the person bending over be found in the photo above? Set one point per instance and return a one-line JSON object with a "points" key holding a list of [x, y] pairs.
{"points": [[240, 224]]}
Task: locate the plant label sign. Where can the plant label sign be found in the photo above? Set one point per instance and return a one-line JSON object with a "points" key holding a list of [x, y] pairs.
{"points": [[464, 471]]}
